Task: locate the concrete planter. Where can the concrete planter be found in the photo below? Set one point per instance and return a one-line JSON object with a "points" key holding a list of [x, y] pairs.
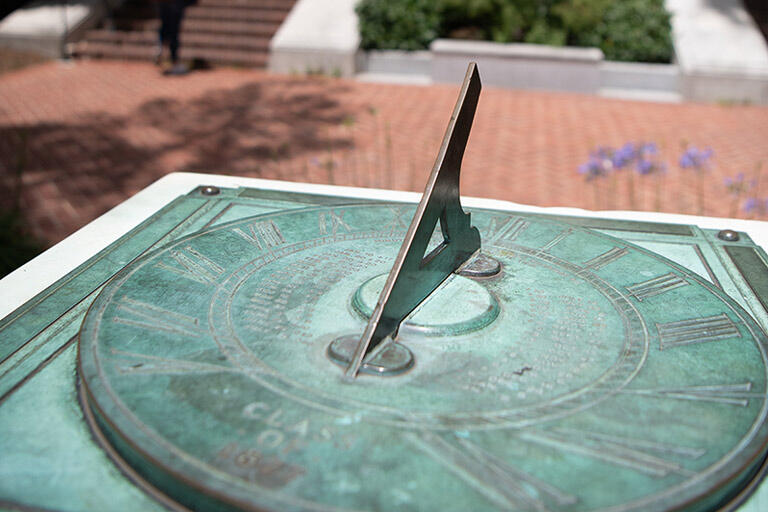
{"points": [[524, 66], [520, 66], [321, 36], [317, 37]]}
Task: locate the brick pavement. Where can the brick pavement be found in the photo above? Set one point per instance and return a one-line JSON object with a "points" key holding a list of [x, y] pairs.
{"points": [[97, 132]]}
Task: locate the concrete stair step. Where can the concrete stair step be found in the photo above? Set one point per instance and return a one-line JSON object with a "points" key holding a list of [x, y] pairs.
{"points": [[235, 14], [223, 13], [146, 52], [207, 26], [191, 39], [279, 5]]}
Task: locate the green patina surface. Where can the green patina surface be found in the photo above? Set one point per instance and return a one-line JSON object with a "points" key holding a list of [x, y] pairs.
{"points": [[568, 382]]}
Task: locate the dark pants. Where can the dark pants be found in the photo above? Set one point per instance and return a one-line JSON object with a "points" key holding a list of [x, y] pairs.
{"points": [[171, 12]]}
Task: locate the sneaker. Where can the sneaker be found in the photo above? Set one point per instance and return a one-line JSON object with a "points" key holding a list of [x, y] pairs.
{"points": [[157, 57], [177, 69]]}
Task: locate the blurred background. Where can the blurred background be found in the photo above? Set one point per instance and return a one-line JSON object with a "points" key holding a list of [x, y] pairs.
{"points": [[657, 105]]}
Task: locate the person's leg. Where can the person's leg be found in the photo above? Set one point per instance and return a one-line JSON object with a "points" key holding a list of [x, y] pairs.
{"points": [[174, 27], [163, 35]]}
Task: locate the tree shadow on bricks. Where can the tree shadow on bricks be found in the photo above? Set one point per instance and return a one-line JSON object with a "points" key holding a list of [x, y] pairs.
{"points": [[77, 171]]}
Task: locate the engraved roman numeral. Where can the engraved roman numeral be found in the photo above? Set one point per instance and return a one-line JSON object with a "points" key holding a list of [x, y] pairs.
{"points": [[636, 454], [559, 238], [148, 316], [507, 487], [263, 234], [193, 265], [503, 230], [331, 222], [696, 330], [131, 363], [655, 286], [607, 257], [731, 394], [398, 222]]}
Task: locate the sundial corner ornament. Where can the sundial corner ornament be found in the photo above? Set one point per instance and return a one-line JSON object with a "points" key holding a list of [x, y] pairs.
{"points": [[339, 357]]}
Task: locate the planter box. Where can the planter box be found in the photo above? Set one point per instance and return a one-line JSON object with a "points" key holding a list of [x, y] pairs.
{"points": [[395, 62], [520, 66]]}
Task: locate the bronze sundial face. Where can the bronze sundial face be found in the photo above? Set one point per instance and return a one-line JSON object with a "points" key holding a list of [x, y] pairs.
{"points": [[581, 373]]}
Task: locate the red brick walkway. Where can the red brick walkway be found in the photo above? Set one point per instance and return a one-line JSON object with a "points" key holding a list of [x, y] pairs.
{"points": [[90, 134]]}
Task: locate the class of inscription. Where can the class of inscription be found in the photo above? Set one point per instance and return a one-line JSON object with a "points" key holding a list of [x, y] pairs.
{"points": [[255, 466], [607, 257], [296, 434], [263, 234], [732, 394], [655, 286], [193, 265], [696, 330], [148, 316]]}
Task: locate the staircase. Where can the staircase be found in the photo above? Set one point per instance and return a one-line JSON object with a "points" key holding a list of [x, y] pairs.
{"points": [[229, 32]]}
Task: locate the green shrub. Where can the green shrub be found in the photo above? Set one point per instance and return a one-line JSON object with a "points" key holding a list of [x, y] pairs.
{"points": [[398, 24], [629, 30], [494, 20]]}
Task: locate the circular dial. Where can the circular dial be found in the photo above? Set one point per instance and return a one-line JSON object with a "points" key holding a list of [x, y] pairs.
{"points": [[590, 374]]}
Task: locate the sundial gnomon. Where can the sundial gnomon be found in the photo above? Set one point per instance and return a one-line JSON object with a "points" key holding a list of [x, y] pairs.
{"points": [[573, 371]]}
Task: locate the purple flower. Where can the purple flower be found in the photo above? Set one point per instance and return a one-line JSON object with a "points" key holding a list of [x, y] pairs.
{"points": [[599, 164], [624, 156], [696, 159], [646, 167], [755, 205], [648, 148], [647, 160]]}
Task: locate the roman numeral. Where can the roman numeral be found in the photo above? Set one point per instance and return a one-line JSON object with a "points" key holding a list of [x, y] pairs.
{"points": [[397, 223], [655, 286], [193, 265], [331, 222], [264, 234], [559, 238], [607, 257], [148, 316], [636, 454], [131, 363], [696, 330], [507, 487], [731, 394], [503, 230]]}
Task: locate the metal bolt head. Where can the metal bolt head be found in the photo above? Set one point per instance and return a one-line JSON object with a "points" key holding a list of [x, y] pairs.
{"points": [[481, 266], [210, 190], [728, 235]]}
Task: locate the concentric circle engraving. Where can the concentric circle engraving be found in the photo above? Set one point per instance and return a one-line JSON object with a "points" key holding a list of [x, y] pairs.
{"points": [[207, 363]]}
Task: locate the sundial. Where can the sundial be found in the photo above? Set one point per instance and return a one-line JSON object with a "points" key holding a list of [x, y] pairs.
{"points": [[251, 350]]}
